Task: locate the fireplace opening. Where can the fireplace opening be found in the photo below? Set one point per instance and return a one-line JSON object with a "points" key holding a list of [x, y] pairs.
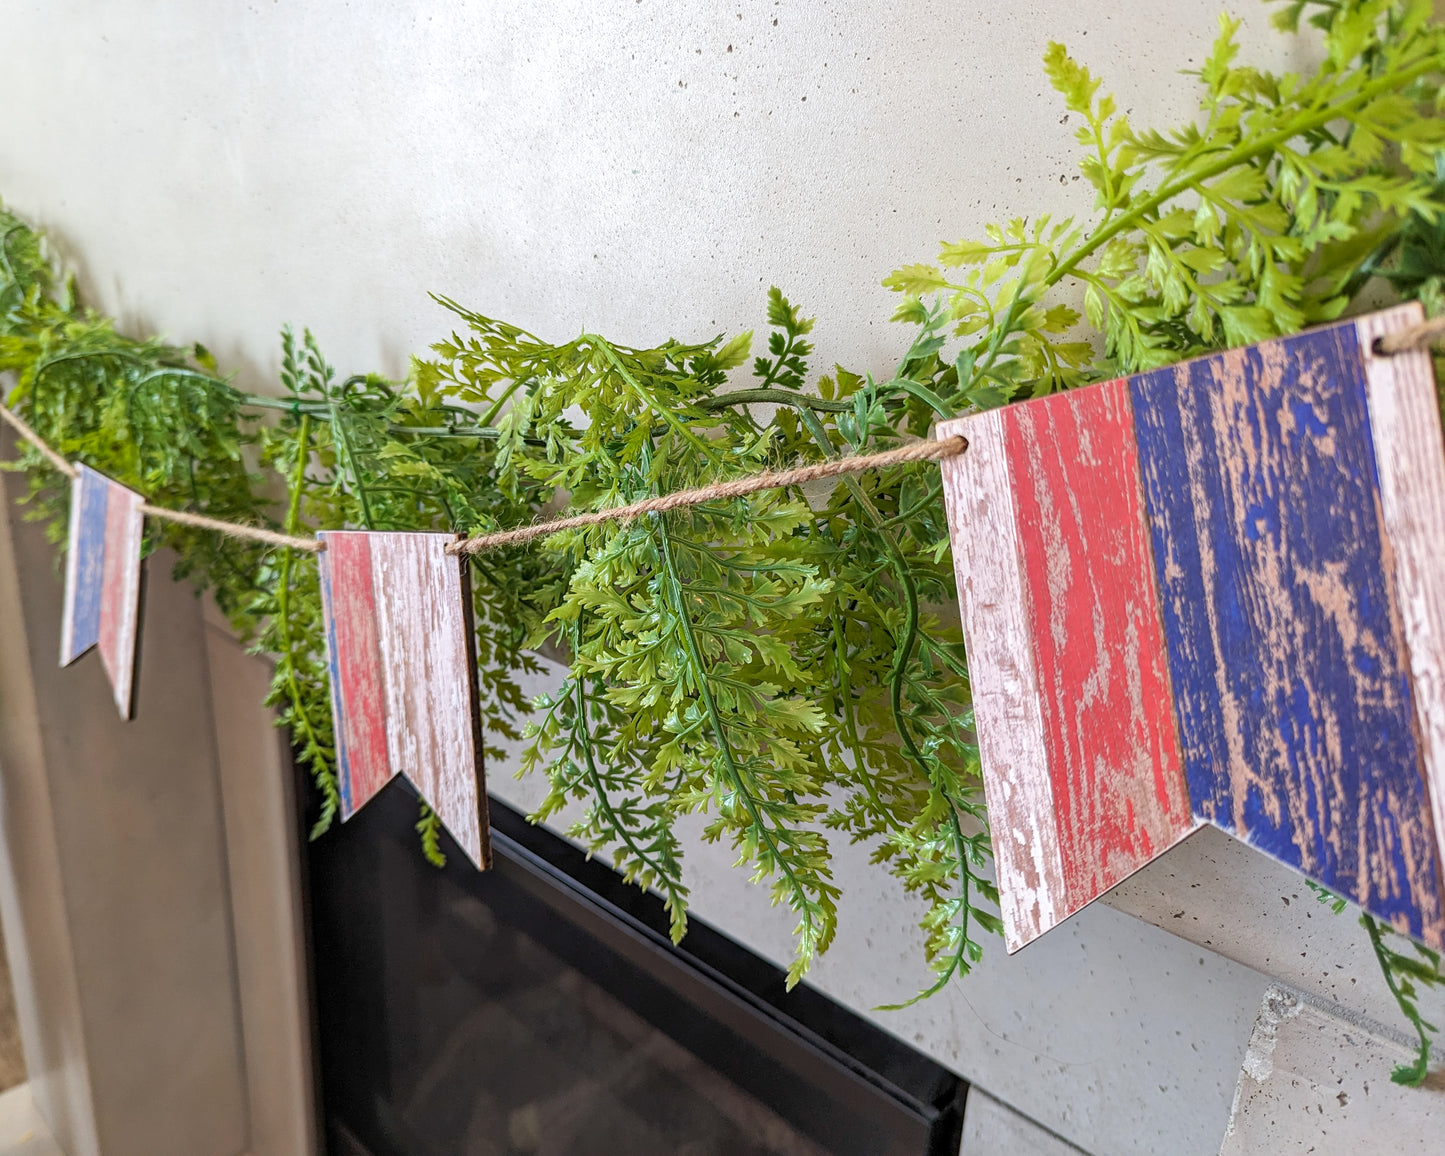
{"points": [[541, 1008]]}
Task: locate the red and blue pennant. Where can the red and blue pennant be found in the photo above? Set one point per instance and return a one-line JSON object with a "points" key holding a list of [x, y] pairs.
{"points": [[1213, 593], [103, 579], [401, 653]]}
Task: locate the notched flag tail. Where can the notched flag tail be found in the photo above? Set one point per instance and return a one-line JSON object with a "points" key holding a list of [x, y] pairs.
{"points": [[399, 646], [1213, 593], [103, 579]]}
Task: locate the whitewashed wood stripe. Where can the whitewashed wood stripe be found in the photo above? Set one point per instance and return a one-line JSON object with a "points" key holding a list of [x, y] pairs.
{"points": [[977, 492], [123, 677], [430, 683], [1410, 458]]}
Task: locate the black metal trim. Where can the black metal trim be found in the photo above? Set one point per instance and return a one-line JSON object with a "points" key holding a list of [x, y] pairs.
{"points": [[797, 1051]]}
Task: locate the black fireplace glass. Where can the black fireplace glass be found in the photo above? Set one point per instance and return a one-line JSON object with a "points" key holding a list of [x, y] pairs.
{"points": [[540, 1008]]}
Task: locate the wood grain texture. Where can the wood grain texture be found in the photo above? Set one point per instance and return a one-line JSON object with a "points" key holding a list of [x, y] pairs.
{"points": [[1113, 752], [103, 580], [120, 597], [1410, 459], [433, 736], [403, 675], [84, 564], [358, 700], [1285, 639], [977, 492]]}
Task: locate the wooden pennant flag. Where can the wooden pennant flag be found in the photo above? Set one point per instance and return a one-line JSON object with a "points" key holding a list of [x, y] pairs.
{"points": [[1082, 768], [403, 675], [103, 579], [1212, 593]]}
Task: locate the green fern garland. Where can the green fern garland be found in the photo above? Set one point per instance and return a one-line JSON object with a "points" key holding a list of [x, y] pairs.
{"points": [[774, 662]]}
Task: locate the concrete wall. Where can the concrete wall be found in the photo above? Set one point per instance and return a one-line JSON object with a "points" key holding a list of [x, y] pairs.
{"points": [[647, 170]]}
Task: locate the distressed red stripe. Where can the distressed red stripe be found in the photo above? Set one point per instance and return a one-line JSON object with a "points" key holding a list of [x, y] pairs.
{"points": [[1113, 749], [120, 592], [358, 699], [112, 582]]}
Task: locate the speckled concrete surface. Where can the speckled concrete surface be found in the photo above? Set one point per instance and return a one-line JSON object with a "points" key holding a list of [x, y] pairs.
{"points": [[991, 1128]]}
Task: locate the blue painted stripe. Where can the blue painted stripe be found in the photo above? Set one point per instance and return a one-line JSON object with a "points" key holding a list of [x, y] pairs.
{"points": [[90, 546], [1285, 647]]}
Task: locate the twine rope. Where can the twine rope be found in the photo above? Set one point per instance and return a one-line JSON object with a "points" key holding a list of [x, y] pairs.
{"points": [[1414, 338], [230, 529], [17, 423], [920, 451], [233, 529]]}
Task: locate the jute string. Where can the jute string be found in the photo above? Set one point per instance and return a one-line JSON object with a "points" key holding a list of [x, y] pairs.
{"points": [[233, 529], [1416, 337], [1413, 338], [922, 451], [230, 529], [16, 423]]}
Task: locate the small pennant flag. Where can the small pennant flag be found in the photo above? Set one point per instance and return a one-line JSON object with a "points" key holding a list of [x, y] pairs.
{"points": [[103, 579], [1213, 593], [403, 675]]}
